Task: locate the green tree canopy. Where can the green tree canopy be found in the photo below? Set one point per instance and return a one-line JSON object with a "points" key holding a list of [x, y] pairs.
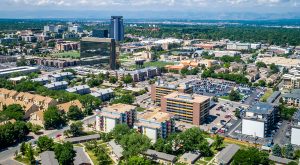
{"points": [[76, 128], [250, 156], [13, 111], [74, 113], [53, 118], [45, 143], [64, 153], [134, 144], [119, 131]]}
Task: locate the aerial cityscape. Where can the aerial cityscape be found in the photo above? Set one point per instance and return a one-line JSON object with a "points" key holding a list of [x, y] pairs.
{"points": [[161, 82]]}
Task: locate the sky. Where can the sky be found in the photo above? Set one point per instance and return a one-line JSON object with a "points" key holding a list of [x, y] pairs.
{"points": [[34, 7]]}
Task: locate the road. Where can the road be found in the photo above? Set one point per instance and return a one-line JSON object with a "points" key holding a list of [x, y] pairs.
{"points": [[8, 153]]}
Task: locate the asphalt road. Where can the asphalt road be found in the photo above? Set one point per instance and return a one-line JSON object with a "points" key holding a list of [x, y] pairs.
{"points": [[9, 152]]}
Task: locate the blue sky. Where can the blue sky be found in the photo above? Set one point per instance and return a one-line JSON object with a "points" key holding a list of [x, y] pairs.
{"points": [[284, 7], [161, 5]]}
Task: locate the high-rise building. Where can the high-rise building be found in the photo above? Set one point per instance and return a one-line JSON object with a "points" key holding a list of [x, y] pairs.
{"points": [[99, 33], [117, 28], [190, 108], [103, 50]]}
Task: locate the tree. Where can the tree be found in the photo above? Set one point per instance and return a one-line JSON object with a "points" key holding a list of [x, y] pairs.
{"points": [[64, 153], [218, 142], [237, 113], [193, 140], [113, 79], [134, 144], [23, 148], [124, 99], [53, 118], [234, 95], [289, 152], [250, 156], [13, 111], [261, 83], [276, 150], [127, 79], [136, 160], [119, 131], [261, 64], [274, 68], [94, 82], [74, 113], [76, 129], [45, 143], [34, 127], [29, 154], [89, 101]]}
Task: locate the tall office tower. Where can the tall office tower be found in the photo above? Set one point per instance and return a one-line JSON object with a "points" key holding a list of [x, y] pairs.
{"points": [[100, 51], [117, 28]]}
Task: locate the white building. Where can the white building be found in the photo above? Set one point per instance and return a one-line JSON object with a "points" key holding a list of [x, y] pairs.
{"points": [[259, 119], [109, 117], [238, 46], [295, 131]]}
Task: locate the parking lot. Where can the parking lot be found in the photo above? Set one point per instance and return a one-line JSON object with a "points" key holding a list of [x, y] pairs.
{"points": [[219, 116], [212, 87]]}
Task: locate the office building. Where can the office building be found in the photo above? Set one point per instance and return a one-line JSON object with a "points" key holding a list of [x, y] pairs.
{"points": [[259, 119], [115, 114], [295, 131], [160, 89], [100, 33], [49, 28], [155, 124], [193, 109], [104, 49], [117, 28], [75, 29], [292, 98]]}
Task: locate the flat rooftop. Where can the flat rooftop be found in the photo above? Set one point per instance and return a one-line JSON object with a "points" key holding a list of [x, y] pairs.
{"points": [[261, 108], [119, 108], [187, 97], [156, 116]]}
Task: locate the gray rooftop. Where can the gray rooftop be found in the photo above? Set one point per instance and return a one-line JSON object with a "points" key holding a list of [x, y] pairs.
{"points": [[273, 97], [190, 156], [54, 84], [48, 158], [261, 108], [294, 94], [116, 148], [160, 155], [297, 116], [83, 138], [81, 157], [279, 159], [227, 153]]}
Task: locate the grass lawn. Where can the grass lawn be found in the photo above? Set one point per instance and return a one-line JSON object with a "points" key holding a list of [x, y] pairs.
{"points": [[201, 162], [22, 160], [140, 109], [158, 64], [267, 94], [92, 156], [69, 54], [225, 97]]}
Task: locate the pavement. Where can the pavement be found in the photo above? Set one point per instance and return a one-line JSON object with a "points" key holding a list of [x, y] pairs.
{"points": [[10, 151], [280, 137]]}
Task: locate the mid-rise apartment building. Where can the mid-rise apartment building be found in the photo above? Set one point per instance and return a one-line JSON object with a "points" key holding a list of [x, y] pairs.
{"points": [[80, 89], [260, 119], [295, 131], [292, 79], [160, 89], [190, 108], [138, 75], [110, 116], [155, 124]]}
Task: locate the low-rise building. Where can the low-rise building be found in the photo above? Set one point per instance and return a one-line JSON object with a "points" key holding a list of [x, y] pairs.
{"points": [[292, 98], [226, 155], [42, 80], [260, 119], [138, 75], [190, 157], [66, 106], [20, 70], [61, 76], [67, 46], [193, 109], [110, 116], [59, 85], [208, 63], [155, 124], [103, 94], [160, 157], [80, 89]]}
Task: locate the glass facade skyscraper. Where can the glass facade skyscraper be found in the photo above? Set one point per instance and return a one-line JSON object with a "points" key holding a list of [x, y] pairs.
{"points": [[103, 50], [117, 28]]}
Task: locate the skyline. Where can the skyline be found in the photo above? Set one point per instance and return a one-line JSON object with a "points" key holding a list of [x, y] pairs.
{"points": [[189, 9]]}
